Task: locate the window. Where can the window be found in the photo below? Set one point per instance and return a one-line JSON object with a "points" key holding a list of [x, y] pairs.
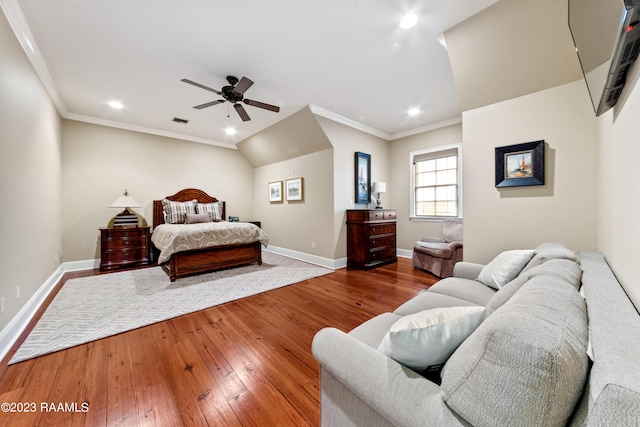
{"points": [[435, 181]]}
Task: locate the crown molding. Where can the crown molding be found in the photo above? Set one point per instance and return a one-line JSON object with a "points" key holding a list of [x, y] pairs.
{"points": [[319, 111], [426, 128], [18, 24], [143, 129]]}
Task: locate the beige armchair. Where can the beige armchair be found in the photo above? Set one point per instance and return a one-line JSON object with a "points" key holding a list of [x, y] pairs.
{"points": [[438, 255]]}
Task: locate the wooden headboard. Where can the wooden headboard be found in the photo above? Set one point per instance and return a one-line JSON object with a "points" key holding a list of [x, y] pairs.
{"points": [[184, 196]]}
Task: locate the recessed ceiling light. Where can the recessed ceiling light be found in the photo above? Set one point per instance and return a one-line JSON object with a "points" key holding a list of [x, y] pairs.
{"points": [[230, 131], [408, 21], [115, 104], [413, 112]]}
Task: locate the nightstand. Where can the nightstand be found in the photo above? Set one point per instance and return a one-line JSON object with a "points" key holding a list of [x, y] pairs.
{"points": [[124, 247]]}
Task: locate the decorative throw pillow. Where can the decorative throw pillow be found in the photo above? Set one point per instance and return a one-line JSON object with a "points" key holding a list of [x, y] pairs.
{"points": [[197, 218], [428, 338], [213, 209], [176, 211], [505, 267]]}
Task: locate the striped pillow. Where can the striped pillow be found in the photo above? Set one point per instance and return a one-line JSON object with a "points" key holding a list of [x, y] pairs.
{"points": [[176, 212], [213, 209]]}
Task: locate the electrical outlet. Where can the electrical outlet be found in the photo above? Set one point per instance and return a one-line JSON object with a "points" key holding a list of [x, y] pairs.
{"points": [[18, 292], [313, 245], [1, 304]]}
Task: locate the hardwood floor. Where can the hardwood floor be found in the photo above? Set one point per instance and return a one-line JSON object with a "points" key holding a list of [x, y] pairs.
{"points": [[244, 363]]}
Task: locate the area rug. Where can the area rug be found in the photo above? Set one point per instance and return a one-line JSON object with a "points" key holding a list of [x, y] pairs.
{"points": [[90, 308]]}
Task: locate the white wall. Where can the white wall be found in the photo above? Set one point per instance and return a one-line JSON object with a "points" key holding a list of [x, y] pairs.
{"points": [[346, 142], [565, 208], [619, 187], [301, 226], [30, 231]]}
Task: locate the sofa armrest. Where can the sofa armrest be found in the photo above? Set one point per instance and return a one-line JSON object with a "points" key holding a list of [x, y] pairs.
{"points": [[397, 393], [467, 270], [433, 240]]}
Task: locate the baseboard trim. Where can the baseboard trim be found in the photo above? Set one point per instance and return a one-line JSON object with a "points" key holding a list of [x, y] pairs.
{"points": [[310, 258], [10, 334], [404, 253]]}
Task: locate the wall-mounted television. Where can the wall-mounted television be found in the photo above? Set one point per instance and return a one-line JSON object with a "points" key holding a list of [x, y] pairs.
{"points": [[606, 34]]}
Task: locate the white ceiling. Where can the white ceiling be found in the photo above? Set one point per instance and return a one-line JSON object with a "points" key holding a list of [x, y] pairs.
{"points": [[347, 57]]}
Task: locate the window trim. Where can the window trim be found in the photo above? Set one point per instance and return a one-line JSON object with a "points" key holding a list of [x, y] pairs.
{"points": [[412, 181]]}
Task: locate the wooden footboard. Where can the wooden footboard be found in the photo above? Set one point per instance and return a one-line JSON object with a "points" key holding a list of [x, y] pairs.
{"points": [[204, 260], [211, 259]]}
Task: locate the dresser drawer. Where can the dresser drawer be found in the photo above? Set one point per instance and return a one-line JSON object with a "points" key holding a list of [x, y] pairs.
{"points": [[127, 243], [127, 255], [376, 229], [378, 242], [125, 233], [382, 254], [380, 215]]}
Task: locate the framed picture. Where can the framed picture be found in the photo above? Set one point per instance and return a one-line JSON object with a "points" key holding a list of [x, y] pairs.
{"points": [[363, 178], [295, 190], [275, 191], [520, 164]]}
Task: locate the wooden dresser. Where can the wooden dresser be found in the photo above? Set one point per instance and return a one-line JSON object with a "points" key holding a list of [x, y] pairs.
{"points": [[371, 238], [124, 247]]}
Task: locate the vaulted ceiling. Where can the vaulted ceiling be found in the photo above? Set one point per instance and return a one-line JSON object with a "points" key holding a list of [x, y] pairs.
{"points": [[348, 59]]}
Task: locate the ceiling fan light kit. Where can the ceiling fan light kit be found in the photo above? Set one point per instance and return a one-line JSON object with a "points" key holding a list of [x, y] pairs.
{"points": [[233, 93]]}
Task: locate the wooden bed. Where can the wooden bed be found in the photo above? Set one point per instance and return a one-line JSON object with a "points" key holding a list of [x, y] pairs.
{"points": [[203, 260]]}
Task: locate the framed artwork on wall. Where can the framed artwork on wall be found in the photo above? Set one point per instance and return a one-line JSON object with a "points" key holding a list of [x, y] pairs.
{"points": [[275, 191], [363, 178], [294, 190], [520, 164]]}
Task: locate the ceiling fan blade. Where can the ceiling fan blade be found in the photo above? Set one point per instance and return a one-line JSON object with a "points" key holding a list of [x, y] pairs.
{"points": [[209, 104], [242, 112], [242, 86], [262, 105], [191, 82]]}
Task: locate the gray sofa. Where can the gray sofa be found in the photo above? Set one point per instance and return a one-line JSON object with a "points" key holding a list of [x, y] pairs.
{"points": [[526, 364]]}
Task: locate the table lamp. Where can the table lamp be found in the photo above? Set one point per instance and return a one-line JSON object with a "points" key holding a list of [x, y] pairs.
{"points": [[125, 218], [379, 187]]}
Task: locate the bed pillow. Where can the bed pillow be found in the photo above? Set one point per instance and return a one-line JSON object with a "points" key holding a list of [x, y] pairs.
{"points": [[213, 209], [505, 267], [197, 218], [176, 211], [426, 339]]}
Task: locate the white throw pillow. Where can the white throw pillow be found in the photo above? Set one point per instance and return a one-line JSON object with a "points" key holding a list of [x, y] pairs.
{"points": [[428, 338], [505, 267]]}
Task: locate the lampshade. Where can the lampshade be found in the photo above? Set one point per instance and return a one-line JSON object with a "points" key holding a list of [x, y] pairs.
{"points": [[125, 201], [379, 187]]}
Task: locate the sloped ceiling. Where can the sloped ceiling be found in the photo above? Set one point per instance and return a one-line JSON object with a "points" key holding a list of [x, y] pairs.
{"points": [[294, 136], [510, 49]]}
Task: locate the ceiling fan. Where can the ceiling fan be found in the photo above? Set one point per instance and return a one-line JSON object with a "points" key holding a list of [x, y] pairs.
{"points": [[234, 93]]}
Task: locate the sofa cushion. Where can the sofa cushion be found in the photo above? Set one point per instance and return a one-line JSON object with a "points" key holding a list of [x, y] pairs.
{"points": [[468, 290], [373, 330], [562, 269], [438, 250], [526, 364], [548, 251], [505, 267], [429, 300], [426, 339]]}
